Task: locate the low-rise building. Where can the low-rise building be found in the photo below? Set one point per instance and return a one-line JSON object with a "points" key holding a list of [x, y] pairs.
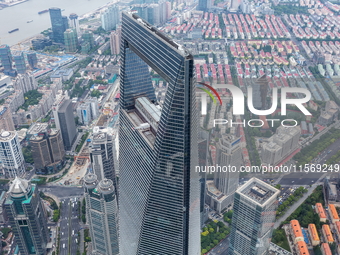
{"points": [[296, 231], [321, 212], [333, 213], [325, 249], [302, 248], [313, 233], [327, 233]]}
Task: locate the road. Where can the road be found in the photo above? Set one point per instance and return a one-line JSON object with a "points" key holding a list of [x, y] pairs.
{"points": [[64, 227], [299, 202], [69, 227], [74, 226], [336, 125], [61, 191]]}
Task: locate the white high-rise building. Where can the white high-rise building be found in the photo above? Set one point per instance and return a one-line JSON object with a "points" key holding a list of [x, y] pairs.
{"points": [[110, 18], [25, 82], [280, 145], [12, 159], [220, 192], [102, 215], [103, 153], [115, 42]]}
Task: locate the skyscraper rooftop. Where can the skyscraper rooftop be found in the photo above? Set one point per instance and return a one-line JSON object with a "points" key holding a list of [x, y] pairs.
{"points": [[258, 191]]}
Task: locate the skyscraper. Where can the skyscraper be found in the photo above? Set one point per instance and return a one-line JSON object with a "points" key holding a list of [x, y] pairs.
{"points": [[11, 156], [71, 40], [19, 60], [228, 152], [220, 191], [260, 90], [204, 5], [58, 26], [157, 146], [87, 36], [88, 111], [27, 217], [6, 119], [102, 154], [32, 59], [153, 14], [74, 23], [203, 139], [67, 124], [102, 211], [47, 148], [110, 18], [115, 38], [25, 82], [65, 22], [6, 59], [253, 219]]}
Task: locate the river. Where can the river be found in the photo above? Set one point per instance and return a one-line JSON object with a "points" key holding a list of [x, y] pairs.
{"points": [[18, 15]]}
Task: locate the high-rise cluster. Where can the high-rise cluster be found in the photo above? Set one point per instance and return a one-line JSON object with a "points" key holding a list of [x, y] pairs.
{"points": [[47, 148], [14, 62]]}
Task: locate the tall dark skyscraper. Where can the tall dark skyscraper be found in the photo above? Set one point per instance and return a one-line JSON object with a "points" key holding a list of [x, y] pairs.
{"points": [[32, 59], [27, 217], [67, 124], [159, 190], [58, 25]]}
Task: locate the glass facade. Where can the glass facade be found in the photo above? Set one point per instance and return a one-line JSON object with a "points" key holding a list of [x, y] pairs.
{"points": [[6, 58], [159, 191], [58, 25], [20, 63], [27, 217]]}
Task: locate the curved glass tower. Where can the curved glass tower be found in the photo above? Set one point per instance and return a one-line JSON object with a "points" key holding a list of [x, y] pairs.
{"points": [[159, 192]]}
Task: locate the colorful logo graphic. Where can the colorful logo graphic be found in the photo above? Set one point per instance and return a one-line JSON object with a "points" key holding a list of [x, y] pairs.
{"points": [[203, 86]]}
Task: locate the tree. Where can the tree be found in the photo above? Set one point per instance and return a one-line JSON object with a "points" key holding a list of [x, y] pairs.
{"points": [[95, 93], [26, 151]]}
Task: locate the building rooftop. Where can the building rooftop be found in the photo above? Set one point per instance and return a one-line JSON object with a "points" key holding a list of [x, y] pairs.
{"points": [[314, 232], [296, 228], [333, 211], [320, 210], [258, 191], [302, 247], [64, 106], [19, 187], [38, 128], [7, 135]]}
